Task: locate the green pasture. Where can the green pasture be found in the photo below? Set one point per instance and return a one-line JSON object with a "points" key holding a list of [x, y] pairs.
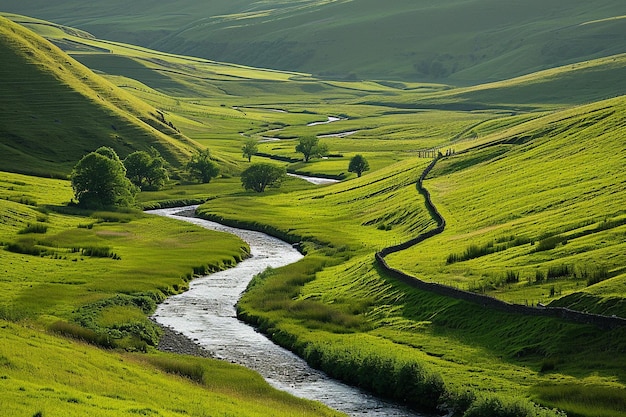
{"points": [[532, 207], [533, 200], [49, 271], [41, 374], [335, 306]]}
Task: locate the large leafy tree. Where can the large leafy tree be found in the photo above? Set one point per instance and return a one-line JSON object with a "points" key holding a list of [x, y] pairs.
{"points": [[358, 164], [259, 176], [311, 147], [99, 181], [201, 167], [249, 149], [145, 170]]}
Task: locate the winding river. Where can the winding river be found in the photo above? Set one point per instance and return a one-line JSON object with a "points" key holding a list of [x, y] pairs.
{"points": [[206, 314]]}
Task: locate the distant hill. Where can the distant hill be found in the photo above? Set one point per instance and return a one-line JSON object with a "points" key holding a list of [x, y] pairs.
{"points": [[53, 110], [461, 42]]}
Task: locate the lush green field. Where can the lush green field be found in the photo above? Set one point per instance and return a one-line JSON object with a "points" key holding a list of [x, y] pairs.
{"points": [[96, 276], [545, 214], [538, 192], [476, 41], [41, 374]]}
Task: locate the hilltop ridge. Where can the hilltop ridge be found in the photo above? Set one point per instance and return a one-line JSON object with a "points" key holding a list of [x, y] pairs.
{"points": [[462, 42]]}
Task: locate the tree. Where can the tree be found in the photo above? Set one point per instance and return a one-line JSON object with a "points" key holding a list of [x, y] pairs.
{"points": [[259, 176], [201, 167], [310, 147], [99, 180], [358, 164], [146, 171], [249, 149]]}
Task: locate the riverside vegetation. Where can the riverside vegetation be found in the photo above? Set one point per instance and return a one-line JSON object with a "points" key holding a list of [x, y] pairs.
{"points": [[522, 226]]}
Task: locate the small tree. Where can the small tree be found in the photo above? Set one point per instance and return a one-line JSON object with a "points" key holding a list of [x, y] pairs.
{"points": [[99, 180], [249, 149], [259, 176], [311, 147], [201, 167], [358, 164], [145, 170]]}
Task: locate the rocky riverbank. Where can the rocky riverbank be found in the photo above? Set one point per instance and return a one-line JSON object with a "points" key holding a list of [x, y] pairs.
{"points": [[175, 342]]}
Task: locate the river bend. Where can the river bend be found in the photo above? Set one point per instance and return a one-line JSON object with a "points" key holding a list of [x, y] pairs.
{"points": [[206, 314]]}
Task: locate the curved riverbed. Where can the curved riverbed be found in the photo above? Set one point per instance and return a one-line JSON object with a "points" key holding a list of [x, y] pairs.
{"points": [[206, 314]]}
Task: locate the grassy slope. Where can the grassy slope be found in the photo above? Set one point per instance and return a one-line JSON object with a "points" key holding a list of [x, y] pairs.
{"points": [[52, 376], [54, 110], [311, 307], [472, 41], [39, 292], [467, 349], [563, 181]]}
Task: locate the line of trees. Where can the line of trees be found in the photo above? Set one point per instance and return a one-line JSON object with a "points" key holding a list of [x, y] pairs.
{"points": [[101, 179]]}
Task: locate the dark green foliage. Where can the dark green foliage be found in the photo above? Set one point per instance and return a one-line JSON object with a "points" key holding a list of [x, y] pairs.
{"points": [[539, 276], [358, 164], [597, 276], [81, 333], [145, 170], [549, 243], [201, 167], [133, 335], [259, 176], [559, 271], [495, 407], [26, 247], [100, 252], [407, 382], [310, 147], [99, 180], [249, 149], [34, 228], [512, 277]]}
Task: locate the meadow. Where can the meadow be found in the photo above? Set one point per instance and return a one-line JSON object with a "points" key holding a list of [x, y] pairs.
{"points": [[532, 187], [459, 42]]}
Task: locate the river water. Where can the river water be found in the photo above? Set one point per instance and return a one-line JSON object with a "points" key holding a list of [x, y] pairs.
{"points": [[206, 314]]}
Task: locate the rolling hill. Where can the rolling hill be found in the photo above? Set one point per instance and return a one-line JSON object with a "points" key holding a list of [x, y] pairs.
{"points": [[54, 110], [462, 42]]}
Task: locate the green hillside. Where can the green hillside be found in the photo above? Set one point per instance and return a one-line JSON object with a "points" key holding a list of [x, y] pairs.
{"points": [[533, 195], [547, 197], [464, 41], [54, 110]]}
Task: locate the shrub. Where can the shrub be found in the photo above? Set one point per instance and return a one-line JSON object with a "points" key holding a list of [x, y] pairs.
{"points": [[80, 333], [598, 275], [559, 271], [549, 243], [25, 247], [495, 407], [34, 228], [512, 277], [539, 276]]}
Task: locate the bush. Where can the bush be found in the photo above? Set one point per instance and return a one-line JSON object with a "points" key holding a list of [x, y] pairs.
{"points": [[25, 247], [559, 271], [34, 228], [495, 407]]}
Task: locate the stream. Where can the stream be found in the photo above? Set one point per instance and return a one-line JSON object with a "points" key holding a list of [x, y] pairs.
{"points": [[206, 314]]}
